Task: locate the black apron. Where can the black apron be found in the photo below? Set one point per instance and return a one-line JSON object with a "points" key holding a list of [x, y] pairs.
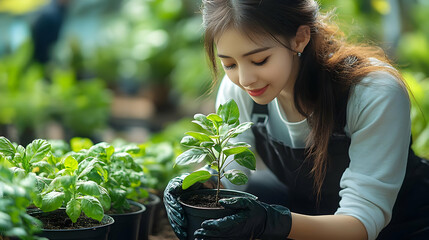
{"points": [[410, 218]]}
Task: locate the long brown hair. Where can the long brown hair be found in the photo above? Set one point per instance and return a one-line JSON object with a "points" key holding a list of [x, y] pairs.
{"points": [[329, 64]]}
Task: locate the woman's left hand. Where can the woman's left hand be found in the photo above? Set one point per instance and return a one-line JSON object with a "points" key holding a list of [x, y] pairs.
{"points": [[253, 220]]}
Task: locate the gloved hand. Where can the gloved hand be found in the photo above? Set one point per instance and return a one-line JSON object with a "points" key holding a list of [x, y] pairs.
{"points": [[175, 212], [254, 220]]}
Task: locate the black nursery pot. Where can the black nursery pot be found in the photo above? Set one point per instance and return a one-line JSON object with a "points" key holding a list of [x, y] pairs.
{"points": [[147, 219], [197, 215], [127, 225], [92, 233]]}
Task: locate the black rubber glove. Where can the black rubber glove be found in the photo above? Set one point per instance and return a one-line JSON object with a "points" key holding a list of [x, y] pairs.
{"points": [[175, 212], [254, 220], [173, 208]]}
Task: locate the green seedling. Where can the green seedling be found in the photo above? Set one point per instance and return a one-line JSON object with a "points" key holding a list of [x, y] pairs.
{"points": [[214, 147]]}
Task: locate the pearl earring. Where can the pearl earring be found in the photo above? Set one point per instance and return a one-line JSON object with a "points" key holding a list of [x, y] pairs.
{"points": [[298, 54]]}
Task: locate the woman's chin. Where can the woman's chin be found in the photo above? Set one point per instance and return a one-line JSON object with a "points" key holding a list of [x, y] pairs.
{"points": [[261, 100]]}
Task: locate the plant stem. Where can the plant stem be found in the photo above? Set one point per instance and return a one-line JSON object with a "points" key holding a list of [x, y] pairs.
{"points": [[218, 188]]}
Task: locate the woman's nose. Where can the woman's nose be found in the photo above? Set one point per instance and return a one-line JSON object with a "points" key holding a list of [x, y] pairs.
{"points": [[246, 77]]}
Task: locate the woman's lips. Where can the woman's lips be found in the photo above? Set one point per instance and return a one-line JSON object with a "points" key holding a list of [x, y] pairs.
{"points": [[257, 92]]}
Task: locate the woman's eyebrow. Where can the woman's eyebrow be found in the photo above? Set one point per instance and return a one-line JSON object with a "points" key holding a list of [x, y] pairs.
{"points": [[248, 53]]}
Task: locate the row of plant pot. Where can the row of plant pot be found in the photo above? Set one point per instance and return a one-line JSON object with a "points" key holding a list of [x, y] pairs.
{"points": [[131, 225], [92, 190]]}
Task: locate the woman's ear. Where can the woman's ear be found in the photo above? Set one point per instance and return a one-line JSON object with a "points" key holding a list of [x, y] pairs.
{"points": [[301, 39]]}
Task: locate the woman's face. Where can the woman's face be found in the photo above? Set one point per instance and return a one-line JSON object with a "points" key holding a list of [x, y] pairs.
{"points": [[264, 70]]}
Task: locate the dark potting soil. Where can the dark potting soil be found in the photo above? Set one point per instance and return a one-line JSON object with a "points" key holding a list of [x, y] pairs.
{"points": [[60, 220], [203, 200]]}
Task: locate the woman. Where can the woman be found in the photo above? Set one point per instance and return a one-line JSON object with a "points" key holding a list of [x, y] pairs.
{"points": [[332, 124]]}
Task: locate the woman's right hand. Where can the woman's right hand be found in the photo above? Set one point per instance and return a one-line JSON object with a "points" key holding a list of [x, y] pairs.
{"points": [[175, 212]]}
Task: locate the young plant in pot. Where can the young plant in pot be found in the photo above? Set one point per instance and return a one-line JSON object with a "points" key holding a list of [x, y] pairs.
{"points": [[63, 187], [216, 148], [124, 176], [76, 200]]}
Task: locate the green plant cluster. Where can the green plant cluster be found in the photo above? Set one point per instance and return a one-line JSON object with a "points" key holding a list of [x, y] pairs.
{"points": [[28, 100], [91, 179], [82, 177], [15, 197], [151, 43]]}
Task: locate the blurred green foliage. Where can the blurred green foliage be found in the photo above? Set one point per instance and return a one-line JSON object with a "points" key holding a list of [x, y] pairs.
{"points": [[29, 100], [152, 43], [368, 21], [15, 197]]}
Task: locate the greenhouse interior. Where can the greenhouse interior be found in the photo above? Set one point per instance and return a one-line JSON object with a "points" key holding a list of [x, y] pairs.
{"points": [[121, 80]]}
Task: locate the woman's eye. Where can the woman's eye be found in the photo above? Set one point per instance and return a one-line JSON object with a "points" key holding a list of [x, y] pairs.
{"points": [[229, 67], [261, 62]]}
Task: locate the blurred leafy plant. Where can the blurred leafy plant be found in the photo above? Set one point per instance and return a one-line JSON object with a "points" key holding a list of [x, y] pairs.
{"points": [[153, 43], [15, 191], [29, 101], [419, 86]]}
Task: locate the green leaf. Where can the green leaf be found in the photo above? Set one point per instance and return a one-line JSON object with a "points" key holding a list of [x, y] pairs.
{"points": [[37, 150], [246, 159], [197, 176], [52, 201], [202, 120], [102, 149], [89, 188], [193, 155], [78, 144], [189, 141], [207, 144], [71, 164], [55, 184], [68, 181], [73, 209], [236, 177], [224, 129], [44, 167], [235, 148], [133, 149], [240, 129], [218, 148], [199, 136], [216, 119], [229, 112], [85, 166], [104, 198], [6, 147], [92, 208], [5, 221], [122, 157]]}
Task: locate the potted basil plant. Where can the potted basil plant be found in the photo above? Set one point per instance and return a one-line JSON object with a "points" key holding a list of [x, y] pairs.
{"points": [[214, 146], [69, 202], [123, 176]]}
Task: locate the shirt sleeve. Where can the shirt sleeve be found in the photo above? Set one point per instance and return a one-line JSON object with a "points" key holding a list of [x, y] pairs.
{"points": [[228, 90], [378, 122]]}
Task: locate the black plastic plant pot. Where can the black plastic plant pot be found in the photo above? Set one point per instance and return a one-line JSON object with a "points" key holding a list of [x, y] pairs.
{"points": [[147, 219], [197, 215], [127, 225], [91, 233]]}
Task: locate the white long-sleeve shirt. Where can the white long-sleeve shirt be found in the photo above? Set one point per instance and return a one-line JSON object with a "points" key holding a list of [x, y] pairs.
{"points": [[378, 124]]}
